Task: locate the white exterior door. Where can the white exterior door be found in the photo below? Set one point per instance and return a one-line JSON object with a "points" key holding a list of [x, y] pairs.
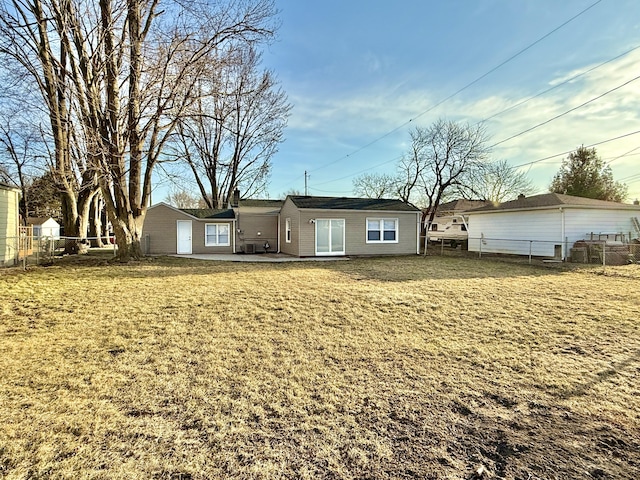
{"points": [[184, 237], [330, 236]]}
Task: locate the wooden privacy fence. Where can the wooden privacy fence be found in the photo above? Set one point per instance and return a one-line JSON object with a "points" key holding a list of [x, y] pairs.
{"points": [[25, 242]]}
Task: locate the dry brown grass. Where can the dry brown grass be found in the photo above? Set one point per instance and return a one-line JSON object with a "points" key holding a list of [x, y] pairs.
{"points": [[372, 368]]}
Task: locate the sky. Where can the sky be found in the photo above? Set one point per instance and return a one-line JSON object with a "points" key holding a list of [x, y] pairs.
{"points": [[360, 74]]}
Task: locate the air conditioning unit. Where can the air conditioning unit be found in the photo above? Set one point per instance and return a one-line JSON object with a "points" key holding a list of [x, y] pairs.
{"points": [[249, 248]]}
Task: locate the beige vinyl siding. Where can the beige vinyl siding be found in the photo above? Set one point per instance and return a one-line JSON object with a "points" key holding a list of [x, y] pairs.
{"points": [[250, 224], [8, 225], [289, 210], [356, 232], [161, 226]]}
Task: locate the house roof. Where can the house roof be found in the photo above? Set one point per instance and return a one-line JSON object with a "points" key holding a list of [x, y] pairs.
{"points": [[344, 203], [549, 200], [6, 186], [255, 202], [203, 213]]}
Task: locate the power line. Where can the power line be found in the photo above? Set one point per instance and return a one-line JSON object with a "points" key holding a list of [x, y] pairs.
{"points": [[623, 155], [461, 89], [565, 113], [570, 151], [571, 79]]}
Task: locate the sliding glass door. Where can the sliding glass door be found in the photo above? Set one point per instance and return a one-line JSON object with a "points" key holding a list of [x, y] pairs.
{"points": [[330, 237]]}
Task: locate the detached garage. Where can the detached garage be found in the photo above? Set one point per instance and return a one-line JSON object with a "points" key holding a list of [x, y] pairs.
{"points": [[547, 225]]}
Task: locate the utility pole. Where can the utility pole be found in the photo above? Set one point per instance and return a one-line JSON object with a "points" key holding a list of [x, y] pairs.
{"points": [[306, 187]]}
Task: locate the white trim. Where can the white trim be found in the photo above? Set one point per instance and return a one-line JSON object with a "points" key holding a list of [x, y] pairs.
{"points": [[287, 230], [217, 244], [382, 229], [330, 252]]}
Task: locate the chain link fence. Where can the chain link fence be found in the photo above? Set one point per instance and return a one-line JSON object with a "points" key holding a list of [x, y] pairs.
{"points": [[588, 251], [31, 250]]}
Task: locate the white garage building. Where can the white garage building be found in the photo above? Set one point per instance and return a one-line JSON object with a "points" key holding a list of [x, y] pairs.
{"points": [[547, 225]]}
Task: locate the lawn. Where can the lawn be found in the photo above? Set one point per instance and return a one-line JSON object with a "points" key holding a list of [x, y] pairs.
{"points": [[405, 367]]}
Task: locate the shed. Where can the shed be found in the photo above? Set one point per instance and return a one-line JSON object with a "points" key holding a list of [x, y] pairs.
{"points": [[44, 227], [546, 225]]}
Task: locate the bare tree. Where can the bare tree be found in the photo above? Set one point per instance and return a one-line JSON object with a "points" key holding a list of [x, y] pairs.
{"points": [[375, 185], [232, 133], [439, 158], [16, 161], [123, 72], [495, 182], [184, 199]]}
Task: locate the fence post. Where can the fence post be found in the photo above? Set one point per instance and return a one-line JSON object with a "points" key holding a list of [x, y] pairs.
{"points": [[530, 248], [480, 251], [604, 256], [442, 246]]}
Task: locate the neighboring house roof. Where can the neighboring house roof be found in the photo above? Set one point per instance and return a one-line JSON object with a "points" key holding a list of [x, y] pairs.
{"points": [[549, 200], [461, 205], [205, 213], [39, 220], [343, 203], [254, 202]]}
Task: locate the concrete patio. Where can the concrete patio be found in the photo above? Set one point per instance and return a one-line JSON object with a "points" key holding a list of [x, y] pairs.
{"points": [[258, 258]]}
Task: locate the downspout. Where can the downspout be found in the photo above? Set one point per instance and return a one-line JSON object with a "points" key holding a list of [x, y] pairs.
{"points": [[418, 228], [233, 237], [278, 237], [564, 256]]}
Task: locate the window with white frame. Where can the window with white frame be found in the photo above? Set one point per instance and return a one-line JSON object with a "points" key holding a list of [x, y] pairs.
{"points": [[216, 235], [287, 229], [382, 230]]}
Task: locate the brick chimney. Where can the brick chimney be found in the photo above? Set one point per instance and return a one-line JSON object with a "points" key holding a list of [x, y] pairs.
{"points": [[236, 198]]}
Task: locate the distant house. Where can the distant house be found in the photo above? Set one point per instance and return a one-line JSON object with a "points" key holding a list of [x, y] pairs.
{"points": [[44, 227], [302, 226], [9, 224], [459, 206], [546, 225]]}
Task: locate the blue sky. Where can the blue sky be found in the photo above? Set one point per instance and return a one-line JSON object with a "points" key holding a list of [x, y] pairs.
{"points": [[361, 73]]}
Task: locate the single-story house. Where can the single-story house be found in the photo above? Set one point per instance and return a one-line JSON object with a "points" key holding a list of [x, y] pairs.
{"points": [[546, 225], [44, 227], [302, 226], [9, 224], [317, 226], [185, 231]]}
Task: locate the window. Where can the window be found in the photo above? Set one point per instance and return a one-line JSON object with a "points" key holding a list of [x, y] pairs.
{"points": [[382, 230], [287, 229], [216, 235]]}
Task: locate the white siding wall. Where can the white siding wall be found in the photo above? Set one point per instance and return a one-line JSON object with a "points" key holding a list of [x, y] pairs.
{"points": [[511, 232], [8, 225], [579, 223]]}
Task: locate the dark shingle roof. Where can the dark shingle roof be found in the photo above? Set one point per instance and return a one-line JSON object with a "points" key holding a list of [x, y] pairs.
{"points": [[551, 200], [209, 213], [255, 202], [343, 203]]}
